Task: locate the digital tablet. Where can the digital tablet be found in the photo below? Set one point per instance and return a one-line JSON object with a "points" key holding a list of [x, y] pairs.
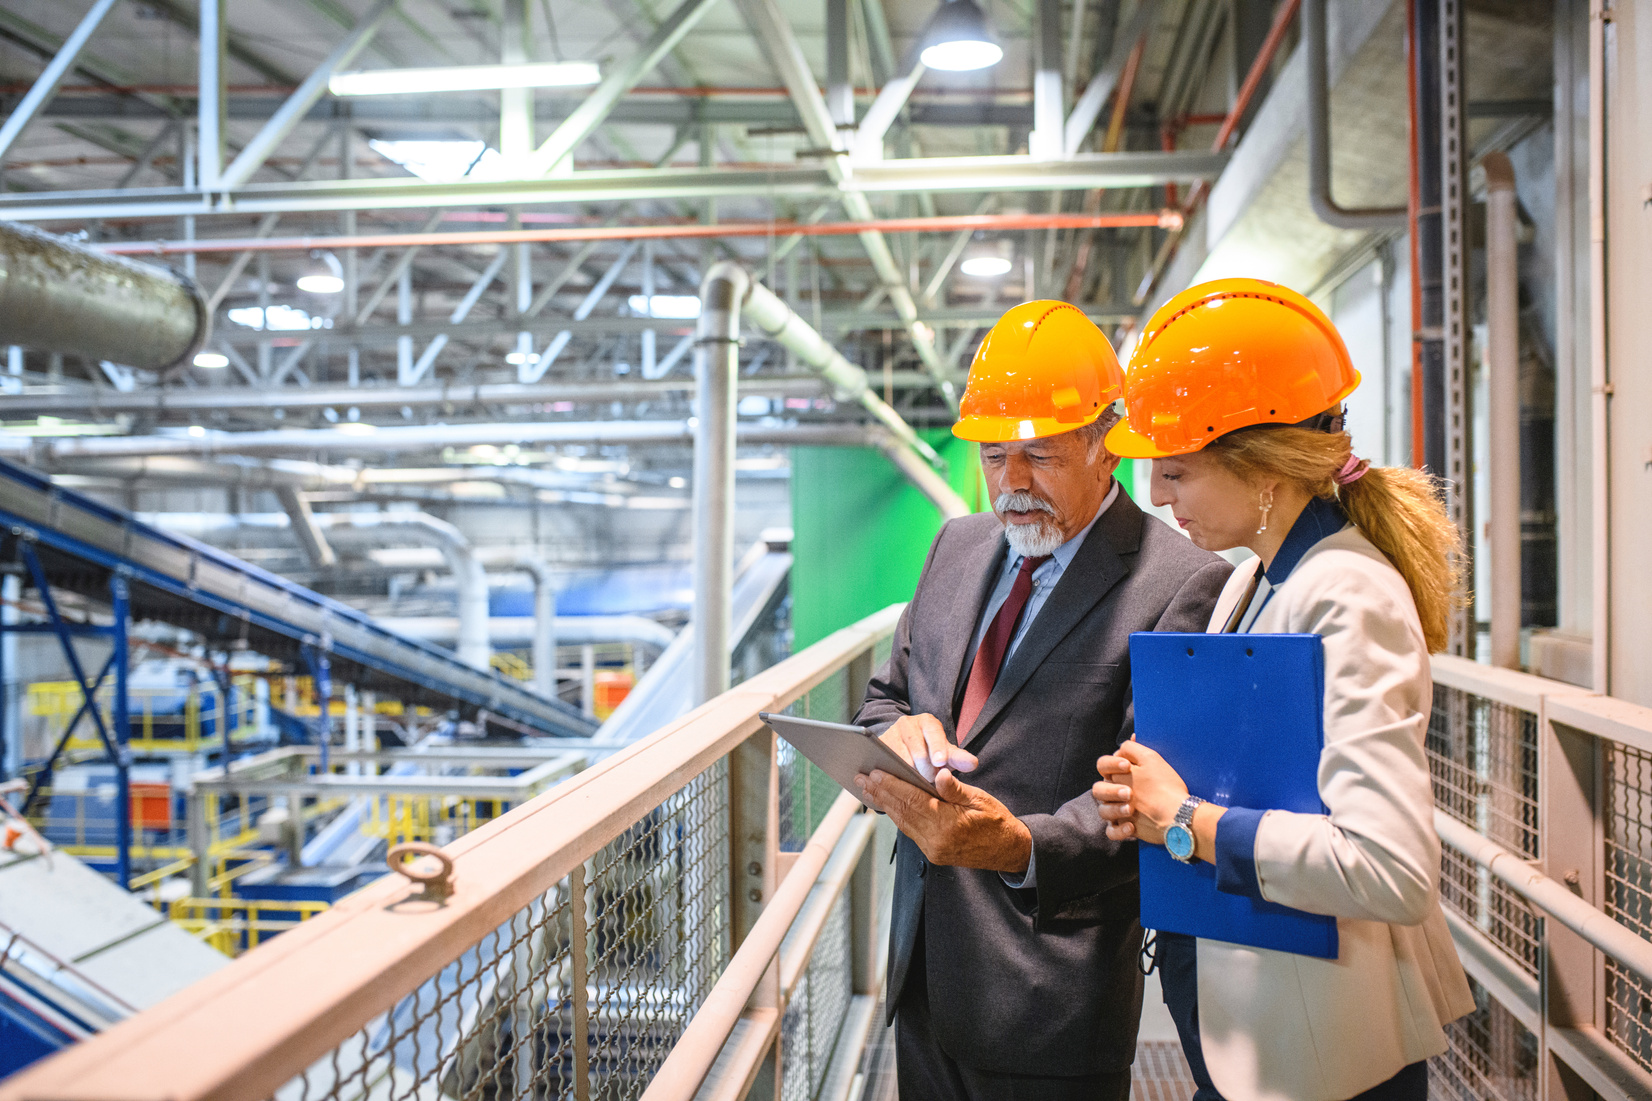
{"points": [[844, 751]]}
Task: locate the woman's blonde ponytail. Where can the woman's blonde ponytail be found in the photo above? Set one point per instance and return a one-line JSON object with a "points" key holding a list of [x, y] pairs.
{"points": [[1397, 508]]}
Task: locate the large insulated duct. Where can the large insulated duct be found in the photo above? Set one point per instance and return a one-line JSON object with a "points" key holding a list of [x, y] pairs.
{"points": [[376, 529], [59, 296], [766, 310]]}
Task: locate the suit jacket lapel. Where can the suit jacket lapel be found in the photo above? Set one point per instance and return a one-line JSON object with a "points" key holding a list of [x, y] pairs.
{"points": [[1102, 560], [976, 571]]}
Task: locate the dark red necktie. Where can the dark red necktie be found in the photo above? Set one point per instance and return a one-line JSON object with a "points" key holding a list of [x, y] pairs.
{"points": [[990, 657]]}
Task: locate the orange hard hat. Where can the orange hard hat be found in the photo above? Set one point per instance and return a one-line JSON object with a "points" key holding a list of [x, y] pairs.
{"points": [[1044, 369], [1224, 355]]}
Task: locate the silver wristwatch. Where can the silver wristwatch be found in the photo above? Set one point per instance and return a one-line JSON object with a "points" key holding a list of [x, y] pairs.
{"points": [[1178, 839]]}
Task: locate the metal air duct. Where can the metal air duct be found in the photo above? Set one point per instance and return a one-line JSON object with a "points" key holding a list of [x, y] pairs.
{"points": [[59, 296]]}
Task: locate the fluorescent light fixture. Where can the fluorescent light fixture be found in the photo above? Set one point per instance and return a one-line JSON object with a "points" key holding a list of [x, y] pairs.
{"points": [[277, 318], [517, 359], [464, 78], [357, 428], [211, 359], [676, 307], [197, 431], [957, 39], [985, 267], [320, 283]]}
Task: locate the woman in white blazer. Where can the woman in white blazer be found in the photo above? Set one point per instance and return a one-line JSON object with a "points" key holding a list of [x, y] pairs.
{"points": [[1235, 393]]}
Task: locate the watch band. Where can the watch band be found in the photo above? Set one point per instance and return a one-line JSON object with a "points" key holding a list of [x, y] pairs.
{"points": [[1184, 813]]}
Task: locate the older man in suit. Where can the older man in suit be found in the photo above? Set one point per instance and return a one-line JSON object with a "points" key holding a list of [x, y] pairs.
{"points": [[1012, 963]]}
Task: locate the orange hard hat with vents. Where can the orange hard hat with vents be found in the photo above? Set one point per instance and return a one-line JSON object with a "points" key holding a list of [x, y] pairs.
{"points": [[1044, 369], [1224, 355]]}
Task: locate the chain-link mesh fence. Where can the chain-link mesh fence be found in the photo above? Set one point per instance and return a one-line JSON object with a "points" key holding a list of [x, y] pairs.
{"points": [[806, 792], [542, 1009], [1483, 757], [1628, 828]]}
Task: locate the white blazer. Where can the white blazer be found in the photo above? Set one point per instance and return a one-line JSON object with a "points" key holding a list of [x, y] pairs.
{"points": [[1283, 1027]]}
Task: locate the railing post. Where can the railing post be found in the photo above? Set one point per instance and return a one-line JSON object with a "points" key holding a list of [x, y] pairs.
{"points": [[578, 952], [856, 676], [754, 856], [1571, 774], [863, 921], [201, 871]]}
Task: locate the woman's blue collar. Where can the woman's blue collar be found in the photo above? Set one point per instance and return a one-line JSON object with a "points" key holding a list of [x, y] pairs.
{"points": [[1321, 518]]}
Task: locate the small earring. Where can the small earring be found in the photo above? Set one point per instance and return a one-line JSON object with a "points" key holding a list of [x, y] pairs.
{"points": [[1266, 501]]}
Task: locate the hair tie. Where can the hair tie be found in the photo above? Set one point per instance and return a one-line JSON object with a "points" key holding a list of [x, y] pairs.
{"points": [[1352, 470]]}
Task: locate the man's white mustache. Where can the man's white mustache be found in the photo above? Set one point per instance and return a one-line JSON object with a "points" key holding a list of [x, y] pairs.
{"points": [[1021, 501]]}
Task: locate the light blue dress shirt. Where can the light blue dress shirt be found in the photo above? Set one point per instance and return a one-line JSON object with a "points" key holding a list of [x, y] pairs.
{"points": [[1044, 580]]}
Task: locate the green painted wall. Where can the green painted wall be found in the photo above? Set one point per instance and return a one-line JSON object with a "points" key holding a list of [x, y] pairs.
{"points": [[861, 531]]}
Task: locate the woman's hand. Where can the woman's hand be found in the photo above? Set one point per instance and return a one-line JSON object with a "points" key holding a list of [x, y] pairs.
{"points": [[1138, 795]]}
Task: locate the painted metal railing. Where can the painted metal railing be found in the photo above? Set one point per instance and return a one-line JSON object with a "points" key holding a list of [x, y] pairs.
{"points": [[645, 910], [1544, 802]]}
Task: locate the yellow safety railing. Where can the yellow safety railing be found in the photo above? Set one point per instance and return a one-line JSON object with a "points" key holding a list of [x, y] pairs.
{"points": [[159, 724], [234, 925]]}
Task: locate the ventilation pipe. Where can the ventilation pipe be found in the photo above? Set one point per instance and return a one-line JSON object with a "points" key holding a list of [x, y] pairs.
{"points": [[1319, 138], [716, 369], [513, 630], [1503, 389], [59, 296], [544, 625], [375, 529]]}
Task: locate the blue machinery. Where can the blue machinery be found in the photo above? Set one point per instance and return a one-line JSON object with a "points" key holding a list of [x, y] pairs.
{"points": [[64, 540]]}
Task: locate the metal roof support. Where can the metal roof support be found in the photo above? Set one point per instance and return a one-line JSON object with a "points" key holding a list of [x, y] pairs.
{"points": [[310, 537], [1319, 138], [460, 312], [1088, 108], [292, 112], [584, 120], [867, 144], [1047, 139], [533, 370], [45, 85], [779, 42], [212, 93]]}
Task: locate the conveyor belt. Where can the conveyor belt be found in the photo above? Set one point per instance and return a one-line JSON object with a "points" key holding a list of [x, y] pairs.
{"points": [[174, 579]]}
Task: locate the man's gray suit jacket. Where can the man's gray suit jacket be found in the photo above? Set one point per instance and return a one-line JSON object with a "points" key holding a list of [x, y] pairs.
{"points": [[1039, 981]]}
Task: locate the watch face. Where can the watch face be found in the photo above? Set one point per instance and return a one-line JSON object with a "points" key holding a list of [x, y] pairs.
{"points": [[1179, 840]]}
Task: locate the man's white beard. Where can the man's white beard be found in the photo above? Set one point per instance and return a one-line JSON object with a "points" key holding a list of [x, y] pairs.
{"points": [[1031, 540], [1034, 540]]}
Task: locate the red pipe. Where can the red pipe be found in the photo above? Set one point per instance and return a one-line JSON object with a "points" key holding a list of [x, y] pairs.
{"points": [[1166, 219]]}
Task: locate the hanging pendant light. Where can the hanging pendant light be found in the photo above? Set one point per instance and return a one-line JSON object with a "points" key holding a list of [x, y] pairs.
{"points": [[328, 281], [957, 39], [987, 260]]}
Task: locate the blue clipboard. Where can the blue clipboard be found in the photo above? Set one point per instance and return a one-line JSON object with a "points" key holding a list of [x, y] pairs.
{"points": [[1241, 717]]}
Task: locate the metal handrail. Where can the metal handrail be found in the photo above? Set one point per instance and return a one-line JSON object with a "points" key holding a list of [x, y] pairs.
{"points": [[1552, 897], [244, 1032]]}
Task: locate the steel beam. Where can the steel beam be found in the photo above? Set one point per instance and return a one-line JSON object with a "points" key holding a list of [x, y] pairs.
{"points": [[590, 114], [1088, 108], [292, 112], [45, 85]]}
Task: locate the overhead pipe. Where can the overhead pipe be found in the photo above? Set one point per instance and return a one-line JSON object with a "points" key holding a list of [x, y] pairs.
{"points": [[375, 528], [61, 296], [769, 312], [48, 452], [717, 367], [1503, 392], [950, 223], [1319, 137], [514, 630]]}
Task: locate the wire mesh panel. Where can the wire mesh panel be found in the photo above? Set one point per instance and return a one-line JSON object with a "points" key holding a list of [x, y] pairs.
{"points": [[1490, 1057], [814, 1016], [504, 1020], [1483, 756], [806, 792], [495, 1023], [1629, 893], [658, 917]]}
